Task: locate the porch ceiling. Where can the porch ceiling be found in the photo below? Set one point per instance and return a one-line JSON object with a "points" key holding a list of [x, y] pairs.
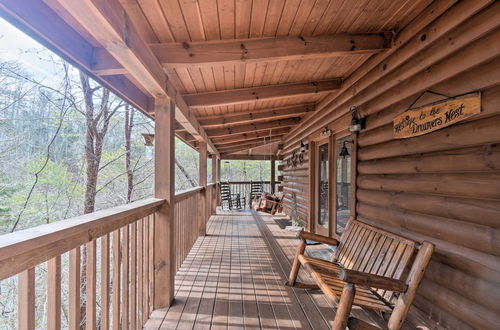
{"points": [[230, 66]]}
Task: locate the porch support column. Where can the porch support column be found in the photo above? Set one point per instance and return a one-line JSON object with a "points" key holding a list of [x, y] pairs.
{"points": [[273, 175], [202, 213], [164, 248]]}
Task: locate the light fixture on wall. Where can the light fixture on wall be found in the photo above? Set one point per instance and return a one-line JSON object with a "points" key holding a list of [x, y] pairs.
{"points": [[357, 123], [303, 147], [325, 131], [344, 152], [148, 139]]}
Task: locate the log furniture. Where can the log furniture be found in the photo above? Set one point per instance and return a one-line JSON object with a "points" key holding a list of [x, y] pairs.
{"points": [[370, 267], [269, 203], [231, 200], [256, 190]]}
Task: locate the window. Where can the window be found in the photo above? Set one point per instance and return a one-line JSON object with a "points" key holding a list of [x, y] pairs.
{"points": [[343, 182], [323, 185]]}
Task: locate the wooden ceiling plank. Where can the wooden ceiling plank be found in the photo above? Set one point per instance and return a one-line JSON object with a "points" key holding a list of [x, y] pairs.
{"points": [[256, 115], [225, 156], [269, 49], [241, 148], [250, 141], [244, 95], [266, 126]]}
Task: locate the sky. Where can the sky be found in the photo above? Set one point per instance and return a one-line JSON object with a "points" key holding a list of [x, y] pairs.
{"points": [[17, 46]]}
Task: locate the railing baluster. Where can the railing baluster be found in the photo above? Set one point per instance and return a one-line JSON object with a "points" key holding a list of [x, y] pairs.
{"points": [[151, 262], [74, 289], [140, 275], [116, 279], [145, 250], [125, 263], [90, 310], [54, 293], [133, 276], [26, 300], [105, 282]]}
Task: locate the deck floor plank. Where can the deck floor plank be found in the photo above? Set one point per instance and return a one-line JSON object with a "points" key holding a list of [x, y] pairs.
{"points": [[233, 278]]}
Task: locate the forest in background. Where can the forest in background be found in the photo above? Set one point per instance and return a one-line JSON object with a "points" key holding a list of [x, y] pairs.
{"points": [[68, 146]]}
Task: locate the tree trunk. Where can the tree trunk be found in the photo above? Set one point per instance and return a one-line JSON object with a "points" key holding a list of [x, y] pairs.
{"points": [[186, 174], [129, 123]]}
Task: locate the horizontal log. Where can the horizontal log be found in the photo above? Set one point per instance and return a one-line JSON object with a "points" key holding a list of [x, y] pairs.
{"points": [[431, 311], [256, 116], [469, 312], [475, 185], [473, 236], [372, 75], [27, 248], [250, 94], [483, 158], [483, 131], [481, 292], [268, 49], [481, 78], [487, 263], [479, 211], [249, 128]]}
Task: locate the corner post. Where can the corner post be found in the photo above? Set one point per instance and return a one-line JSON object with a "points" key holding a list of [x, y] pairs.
{"points": [[273, 175], [202, 212], [164, 247]]}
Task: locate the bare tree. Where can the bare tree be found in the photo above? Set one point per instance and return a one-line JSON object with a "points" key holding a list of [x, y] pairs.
{"points": [[129, 124]]}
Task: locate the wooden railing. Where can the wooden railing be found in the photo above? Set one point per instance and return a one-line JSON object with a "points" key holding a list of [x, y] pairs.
{"points": [[107, 258], [243, 188]]}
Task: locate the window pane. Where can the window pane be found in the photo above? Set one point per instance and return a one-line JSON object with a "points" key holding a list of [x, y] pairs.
{"points": [[323, 185], [343, 186]]}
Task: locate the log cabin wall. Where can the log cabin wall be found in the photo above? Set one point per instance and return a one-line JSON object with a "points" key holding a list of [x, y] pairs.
{"points": [[296, 188], [444, 186]]}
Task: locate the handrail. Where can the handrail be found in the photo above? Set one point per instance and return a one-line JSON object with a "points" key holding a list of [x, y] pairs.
{"points": [[27, 248], [181, 195]]}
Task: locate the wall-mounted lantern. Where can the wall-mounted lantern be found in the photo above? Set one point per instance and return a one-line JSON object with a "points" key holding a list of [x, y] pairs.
{"points": [[325, 131], [303, 147], [148, 139], [344, 152], [357, 123]]}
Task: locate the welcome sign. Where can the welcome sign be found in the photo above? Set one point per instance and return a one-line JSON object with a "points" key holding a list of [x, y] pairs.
{"points": [[429, 118]]}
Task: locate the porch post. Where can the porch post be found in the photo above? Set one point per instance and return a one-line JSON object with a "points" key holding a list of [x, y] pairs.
{"points": [[273, 175], [164, 248], [202, 213]]}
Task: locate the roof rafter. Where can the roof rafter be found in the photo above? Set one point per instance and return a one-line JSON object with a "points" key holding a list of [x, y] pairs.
{"points": [[249, 136], [266, 126], [245, 95], [269, 49]]}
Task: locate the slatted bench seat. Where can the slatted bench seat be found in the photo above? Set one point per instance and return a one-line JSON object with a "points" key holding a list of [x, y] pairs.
{"points": [[370, 267]]}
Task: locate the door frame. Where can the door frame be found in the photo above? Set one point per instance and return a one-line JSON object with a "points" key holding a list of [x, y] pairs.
{"points": [[314, 190]]}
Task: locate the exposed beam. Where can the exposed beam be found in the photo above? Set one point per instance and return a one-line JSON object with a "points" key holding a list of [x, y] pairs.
{"points": [[32, 16], [250, 141], [255, 116], [249, 136], [241, 148], [247, 157], [269, 49], [244, 95], [107, 22], [253, 127]]}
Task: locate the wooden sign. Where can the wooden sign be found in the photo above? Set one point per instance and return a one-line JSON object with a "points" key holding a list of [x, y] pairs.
{"points": [[430, 118]]}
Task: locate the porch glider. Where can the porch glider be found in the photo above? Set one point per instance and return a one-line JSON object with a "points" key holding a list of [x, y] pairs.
{"points": [[371, 268]]}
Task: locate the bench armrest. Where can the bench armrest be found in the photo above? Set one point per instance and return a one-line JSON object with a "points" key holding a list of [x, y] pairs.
{"points": [[318, 238], [371, 280]]}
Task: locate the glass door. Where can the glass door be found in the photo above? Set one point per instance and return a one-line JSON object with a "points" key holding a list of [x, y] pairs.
{"points": [[323, 191], [344, 150]]}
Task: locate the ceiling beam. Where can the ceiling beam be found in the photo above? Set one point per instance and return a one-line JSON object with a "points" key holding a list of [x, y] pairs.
{"points": [[107, 22], [245, 95], [269, 49], [249, 136], [240, 148], [256, 115], [265, 126], [247, 157], [262, 141]]}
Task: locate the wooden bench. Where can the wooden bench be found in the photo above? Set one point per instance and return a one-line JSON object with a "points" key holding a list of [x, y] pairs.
{"points": [[371, 268]]}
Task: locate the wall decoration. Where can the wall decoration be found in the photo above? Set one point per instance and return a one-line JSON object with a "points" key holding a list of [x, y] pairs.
{"points": [[296, 159], [437, 115]]}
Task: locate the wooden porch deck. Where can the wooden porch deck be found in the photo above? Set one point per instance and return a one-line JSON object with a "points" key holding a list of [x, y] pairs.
{"points": [[233, 278]]}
